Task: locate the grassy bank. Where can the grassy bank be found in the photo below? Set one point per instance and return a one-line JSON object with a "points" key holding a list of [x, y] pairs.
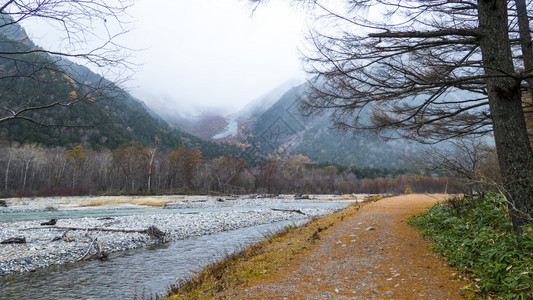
{"points": [[257, 261], [479, 240]]}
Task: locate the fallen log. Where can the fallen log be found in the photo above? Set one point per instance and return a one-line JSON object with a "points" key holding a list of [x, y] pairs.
{"points": [[88, 229], [148, 231], [289, 210], [15, 240]]}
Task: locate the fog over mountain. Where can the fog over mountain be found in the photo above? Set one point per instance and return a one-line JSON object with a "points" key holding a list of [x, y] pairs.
{"points": [[211, 53], [263, 103], [210, 121]]}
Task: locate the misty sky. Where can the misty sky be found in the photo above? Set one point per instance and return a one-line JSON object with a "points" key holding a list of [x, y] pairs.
{"points": [[209, 52]]}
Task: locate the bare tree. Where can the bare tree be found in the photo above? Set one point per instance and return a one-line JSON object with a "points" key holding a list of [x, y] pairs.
{"points": [[56, 172], [78, 158], [428, 70], [28, 156], [526, 45], [466, 159], [149, 154], [128, 164], [191, 164], [9, 155], [90, 30]]}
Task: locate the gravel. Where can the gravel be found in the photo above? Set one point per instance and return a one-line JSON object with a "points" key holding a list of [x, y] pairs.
{"points": [[40, 251]]}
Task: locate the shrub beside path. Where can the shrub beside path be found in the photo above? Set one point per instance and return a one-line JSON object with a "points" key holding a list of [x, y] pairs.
{"points": [[373, 254]]}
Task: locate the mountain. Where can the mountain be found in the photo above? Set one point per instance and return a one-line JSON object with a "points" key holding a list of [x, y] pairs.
{"points": [[260, 105], [206, 125], [215, 123], [107, 117], [283, 128]]}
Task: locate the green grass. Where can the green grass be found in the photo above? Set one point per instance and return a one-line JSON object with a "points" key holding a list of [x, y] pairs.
{"points": [[480, 241]]}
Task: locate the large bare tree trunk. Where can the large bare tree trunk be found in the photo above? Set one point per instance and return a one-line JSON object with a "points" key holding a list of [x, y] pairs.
{"points": [[525, 38], [512, 143], [527, 55]]}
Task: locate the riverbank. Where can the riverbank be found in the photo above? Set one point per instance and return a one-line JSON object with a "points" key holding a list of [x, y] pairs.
{"points": [[58, 244], [31, 204], [362, 252]]}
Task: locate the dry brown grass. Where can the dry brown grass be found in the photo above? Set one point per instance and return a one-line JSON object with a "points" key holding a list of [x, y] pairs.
{"points": [[17, 200], [348, 197]]}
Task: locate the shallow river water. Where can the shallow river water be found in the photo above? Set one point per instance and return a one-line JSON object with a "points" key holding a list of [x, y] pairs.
{"points": [[129, 273]]}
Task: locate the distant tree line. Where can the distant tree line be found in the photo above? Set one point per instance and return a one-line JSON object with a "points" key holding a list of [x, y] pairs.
{"points": [[33, 170], [367, 172]]}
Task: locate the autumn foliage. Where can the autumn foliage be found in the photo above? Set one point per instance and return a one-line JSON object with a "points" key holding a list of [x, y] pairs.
{"points": [[137, 169]]}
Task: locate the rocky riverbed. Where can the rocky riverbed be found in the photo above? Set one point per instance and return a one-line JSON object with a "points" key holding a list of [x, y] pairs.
{"points": [[60, 243]]}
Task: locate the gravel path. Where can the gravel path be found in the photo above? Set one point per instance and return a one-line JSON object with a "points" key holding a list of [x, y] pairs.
{"points": [[373, 255], [40, 251]]}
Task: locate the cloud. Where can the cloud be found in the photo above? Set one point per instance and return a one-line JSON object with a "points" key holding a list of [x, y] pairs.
{"points": [[214, 52], [204, 53]]}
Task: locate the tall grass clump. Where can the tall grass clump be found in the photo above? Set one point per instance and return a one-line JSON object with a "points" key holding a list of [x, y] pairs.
{"points": [[478, 238]]}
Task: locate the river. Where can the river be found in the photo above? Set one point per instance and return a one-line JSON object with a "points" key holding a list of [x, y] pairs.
{"points": [[130, 273]]}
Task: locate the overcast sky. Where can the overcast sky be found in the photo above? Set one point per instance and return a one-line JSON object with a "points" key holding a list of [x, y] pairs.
{"points": [[209, 52]]}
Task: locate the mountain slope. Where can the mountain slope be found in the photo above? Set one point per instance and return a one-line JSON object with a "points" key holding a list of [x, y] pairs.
{"points": [[106, 116], [260, 105], [282, 128]]}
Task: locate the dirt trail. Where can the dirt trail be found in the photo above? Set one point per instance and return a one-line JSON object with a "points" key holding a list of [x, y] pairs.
{"points": [[352, 262]]}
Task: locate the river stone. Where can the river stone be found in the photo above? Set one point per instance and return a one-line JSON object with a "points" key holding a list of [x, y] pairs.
{"points": [[370, 229], [178, 225]]}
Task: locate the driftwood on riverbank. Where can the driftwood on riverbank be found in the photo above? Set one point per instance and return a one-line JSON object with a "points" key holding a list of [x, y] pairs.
{"points": [[151, 231], [15, 240], [100, 253], [289, 210]]}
